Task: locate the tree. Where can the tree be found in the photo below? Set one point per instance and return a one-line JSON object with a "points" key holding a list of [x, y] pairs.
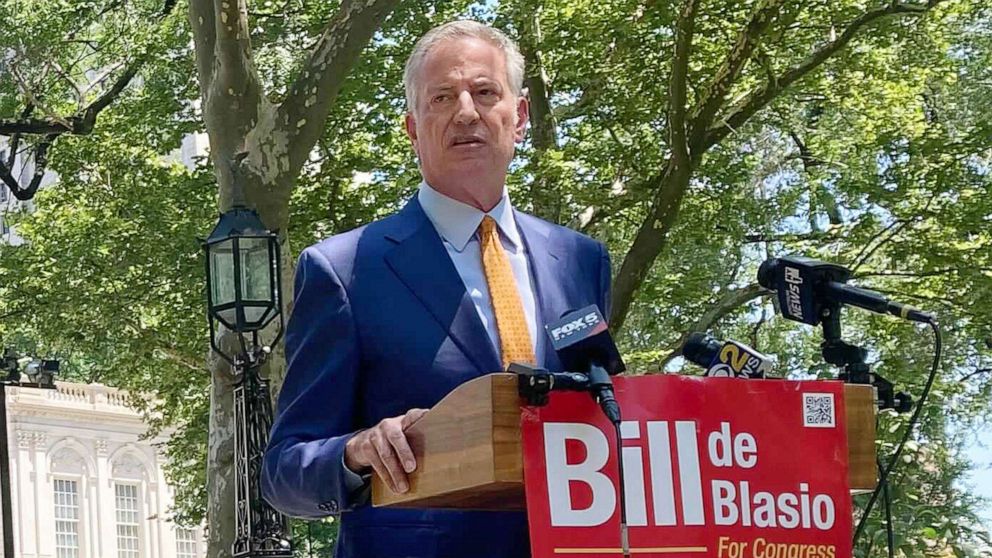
{"points": [[72, 99]]}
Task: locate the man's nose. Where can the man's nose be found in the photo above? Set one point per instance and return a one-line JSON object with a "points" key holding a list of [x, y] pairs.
{"points": [[466, 109]]}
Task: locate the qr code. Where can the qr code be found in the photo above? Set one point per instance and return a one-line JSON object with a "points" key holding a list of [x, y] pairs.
{"points": [[818, 410]]}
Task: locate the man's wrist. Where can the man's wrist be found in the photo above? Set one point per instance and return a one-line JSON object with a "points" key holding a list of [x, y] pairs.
{"points": [[356, 477], [350, 449]]}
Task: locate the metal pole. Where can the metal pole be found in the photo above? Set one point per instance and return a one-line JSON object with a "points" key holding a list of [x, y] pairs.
{"points": [[5, 504], [260, 531]]}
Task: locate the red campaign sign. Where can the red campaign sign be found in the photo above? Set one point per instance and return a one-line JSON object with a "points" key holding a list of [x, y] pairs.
{"points": [[717, 467]]}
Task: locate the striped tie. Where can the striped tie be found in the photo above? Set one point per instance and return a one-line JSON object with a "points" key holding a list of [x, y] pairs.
{"points": [[514, 335]]}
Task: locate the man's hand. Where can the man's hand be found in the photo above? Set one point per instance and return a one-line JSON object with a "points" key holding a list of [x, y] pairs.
{"points": [[384, 448]]}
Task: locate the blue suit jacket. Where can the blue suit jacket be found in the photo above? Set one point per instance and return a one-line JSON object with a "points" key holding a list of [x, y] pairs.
{"points": [[382, 323]]}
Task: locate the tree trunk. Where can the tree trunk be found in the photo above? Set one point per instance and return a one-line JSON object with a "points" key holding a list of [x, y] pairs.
{"points": [[257, 149], [651, 239], [545, 190]]}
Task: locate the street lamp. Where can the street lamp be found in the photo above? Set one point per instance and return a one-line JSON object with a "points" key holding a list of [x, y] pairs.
{"points": [[41, 373], [243, 288]]}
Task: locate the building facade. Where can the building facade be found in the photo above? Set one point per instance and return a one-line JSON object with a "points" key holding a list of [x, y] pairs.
{"points": [[84, 483]]}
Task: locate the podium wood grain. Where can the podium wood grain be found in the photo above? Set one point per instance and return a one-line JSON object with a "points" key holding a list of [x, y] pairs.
{"points": [[862, 471], [469, 453]]}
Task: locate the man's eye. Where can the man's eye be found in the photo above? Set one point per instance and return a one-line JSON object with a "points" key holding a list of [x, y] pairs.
{"points": [[487, 92], [439, 98]]}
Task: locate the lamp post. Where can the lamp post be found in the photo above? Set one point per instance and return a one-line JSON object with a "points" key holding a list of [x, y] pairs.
{"points": [[41, 374], [243, 286]]}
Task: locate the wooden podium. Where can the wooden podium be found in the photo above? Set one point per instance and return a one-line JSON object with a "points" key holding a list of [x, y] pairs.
{"points": [[469, 453]]}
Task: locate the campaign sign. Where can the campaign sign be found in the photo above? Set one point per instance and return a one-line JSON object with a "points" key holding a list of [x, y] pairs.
{"points": [[717, 467]]}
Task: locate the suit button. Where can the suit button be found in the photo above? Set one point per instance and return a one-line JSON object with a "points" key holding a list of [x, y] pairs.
{"points": [[333, 505], [323, 506]]}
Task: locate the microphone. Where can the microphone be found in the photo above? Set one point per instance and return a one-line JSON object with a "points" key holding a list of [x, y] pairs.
{"points": [[729, 359], [535, 383], [583, 344], [807, 287]]}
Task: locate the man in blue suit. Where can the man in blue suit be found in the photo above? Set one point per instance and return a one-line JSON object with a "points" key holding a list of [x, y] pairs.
{"points": [[392, 316]]}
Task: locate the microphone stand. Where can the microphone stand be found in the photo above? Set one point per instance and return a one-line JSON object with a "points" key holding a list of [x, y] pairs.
{"points": [[851, 357], [536, 384]]}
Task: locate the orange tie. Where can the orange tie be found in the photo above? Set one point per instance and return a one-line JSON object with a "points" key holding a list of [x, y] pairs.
{"points": [[514, 336]]}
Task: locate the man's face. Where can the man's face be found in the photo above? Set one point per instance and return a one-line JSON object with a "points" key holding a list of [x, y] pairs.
{"points": [[466, 121]]}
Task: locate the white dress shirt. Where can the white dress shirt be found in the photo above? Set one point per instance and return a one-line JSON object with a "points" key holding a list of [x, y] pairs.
{"points": [[458, 224]]}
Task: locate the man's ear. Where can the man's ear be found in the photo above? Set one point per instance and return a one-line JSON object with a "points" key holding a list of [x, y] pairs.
{"points": [[523, 115], [410, 124]]}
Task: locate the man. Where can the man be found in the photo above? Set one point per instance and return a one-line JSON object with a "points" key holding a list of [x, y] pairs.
{"points": [[392, 316]]}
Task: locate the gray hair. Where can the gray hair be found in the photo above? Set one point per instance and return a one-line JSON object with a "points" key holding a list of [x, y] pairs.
{"points": [[459, 30]]}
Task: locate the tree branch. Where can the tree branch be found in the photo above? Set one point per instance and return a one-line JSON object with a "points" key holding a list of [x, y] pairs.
{"points": [[302, 115], [232, 49], [974, 373], [545, 198], [181, 359], [230, 88], [40, 164], [790, 237], [918, 274], [805, 155], [82, 122], [730, 302], [201, 21], [32, 99], [16, 138], [760, 97], [883, 236], [79, 124], [724, 78], [677, 85], [109, 96], [669, 187], [588, 98]]}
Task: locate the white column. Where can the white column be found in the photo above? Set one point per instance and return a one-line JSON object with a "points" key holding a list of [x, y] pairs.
{"points": [[106, 510], [13, 471], [93, 518], [103, 514], [44, 516], [158, 511], [23, 501], [148, 538]]}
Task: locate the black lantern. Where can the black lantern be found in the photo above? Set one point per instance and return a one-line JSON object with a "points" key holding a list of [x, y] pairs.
{"points": [[243, 286], [243, 273]]}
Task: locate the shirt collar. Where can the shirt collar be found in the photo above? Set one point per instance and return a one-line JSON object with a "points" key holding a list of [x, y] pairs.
{"points": [[457, 222]]}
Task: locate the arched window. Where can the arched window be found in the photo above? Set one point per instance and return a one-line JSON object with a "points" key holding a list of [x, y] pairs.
{"points": [[69, 470], [129, 474]]}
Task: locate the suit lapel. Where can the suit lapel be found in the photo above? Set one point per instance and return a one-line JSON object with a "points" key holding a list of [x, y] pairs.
{"points": [[423, 265], [545, 268]]}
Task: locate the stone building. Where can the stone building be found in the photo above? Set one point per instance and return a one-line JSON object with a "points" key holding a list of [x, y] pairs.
{"points": [[84, 483]]}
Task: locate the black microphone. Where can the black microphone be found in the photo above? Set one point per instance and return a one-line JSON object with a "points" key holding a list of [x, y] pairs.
{"points": [[725, 359], [535, 383], [583, 344], [806, 287]]}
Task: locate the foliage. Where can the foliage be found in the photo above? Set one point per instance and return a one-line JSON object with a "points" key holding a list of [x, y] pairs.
{"points": [[879, 160]]}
